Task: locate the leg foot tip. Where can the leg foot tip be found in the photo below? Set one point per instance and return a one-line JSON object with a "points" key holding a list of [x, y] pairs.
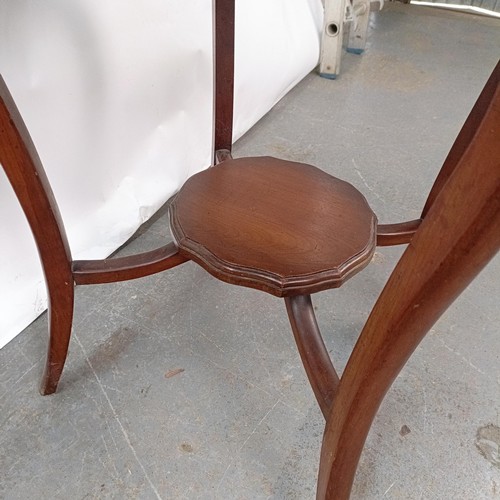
{"points": [[48, 386], [46, 391]]}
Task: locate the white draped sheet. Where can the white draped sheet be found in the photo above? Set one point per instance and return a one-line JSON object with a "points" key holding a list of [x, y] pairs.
{"points": [[117, 96]]}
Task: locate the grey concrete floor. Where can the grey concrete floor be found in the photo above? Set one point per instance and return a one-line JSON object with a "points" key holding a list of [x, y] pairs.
{"points": [[179, 386]]}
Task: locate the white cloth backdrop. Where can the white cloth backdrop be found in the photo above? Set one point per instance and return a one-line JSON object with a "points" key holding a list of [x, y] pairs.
{"points": [[117, 96]]}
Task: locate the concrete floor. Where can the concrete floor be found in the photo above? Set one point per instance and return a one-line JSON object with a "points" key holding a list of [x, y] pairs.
{"points": [[179, 386]]}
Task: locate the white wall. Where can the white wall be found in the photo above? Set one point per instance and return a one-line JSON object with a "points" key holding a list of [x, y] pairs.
{"points": [[117, 96]]}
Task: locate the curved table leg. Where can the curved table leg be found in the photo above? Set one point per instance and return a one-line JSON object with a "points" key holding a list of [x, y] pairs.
{"points": [[25, 172], [315, 358], [60, 311], [457, 238], [27, 176]]}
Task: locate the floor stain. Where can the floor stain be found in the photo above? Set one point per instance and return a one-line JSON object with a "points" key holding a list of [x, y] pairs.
{"points": [[145, 390], [405, 430], [488, 443], [112, 349], [186, 447], [378, 258], [173, 373]]}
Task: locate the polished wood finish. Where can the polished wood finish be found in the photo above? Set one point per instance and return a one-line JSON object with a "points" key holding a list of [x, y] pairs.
{"points": [[315, 358], [88, 272], [397, 234], [247, 222], [290, 229], [27, 176], [24, 170], [283, 227], [223, 15], [457, 238]]}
